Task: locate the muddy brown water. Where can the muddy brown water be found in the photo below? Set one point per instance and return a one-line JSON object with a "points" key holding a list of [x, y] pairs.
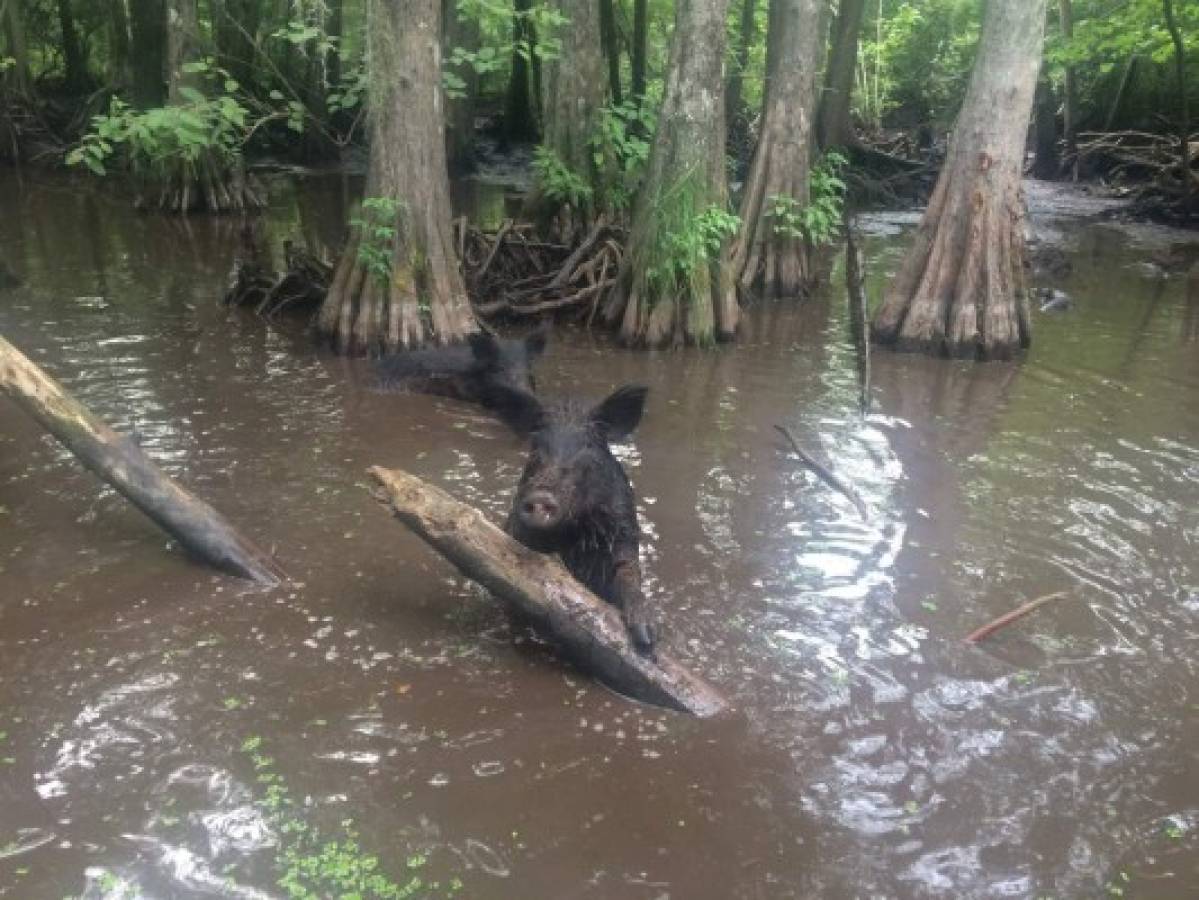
{"points": [[873, 754]]}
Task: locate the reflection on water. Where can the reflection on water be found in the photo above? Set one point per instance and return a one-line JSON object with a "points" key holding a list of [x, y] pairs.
{"points": [[875, 754]]}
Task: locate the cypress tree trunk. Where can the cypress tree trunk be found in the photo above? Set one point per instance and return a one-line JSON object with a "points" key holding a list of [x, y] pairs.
{"points": [[520, 120], [960, 290], [183, 47], [734, 101], [576, 91], [1184, 113], [776, 260], [661, 298], [235, 26], [461, 31], [611, 48], [73, 56], [1070, 91], [118, 25], [833, 127], [419, 295], [640, 39], [1048, 163], [148, 30]]}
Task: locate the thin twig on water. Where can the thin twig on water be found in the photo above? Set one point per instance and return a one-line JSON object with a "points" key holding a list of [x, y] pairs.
{"points": [[1008, 618], [833, 481]]}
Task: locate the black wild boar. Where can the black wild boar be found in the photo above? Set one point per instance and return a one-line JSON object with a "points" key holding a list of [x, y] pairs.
{"points": [[463, 371], [574, 498]]}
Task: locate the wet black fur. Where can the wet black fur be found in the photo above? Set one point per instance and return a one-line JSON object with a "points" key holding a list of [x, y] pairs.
{"points": [[463, 371], [598, 535]]}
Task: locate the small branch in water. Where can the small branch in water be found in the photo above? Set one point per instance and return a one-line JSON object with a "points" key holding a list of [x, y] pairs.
{"points": [[1008, 618], [833, 481]]}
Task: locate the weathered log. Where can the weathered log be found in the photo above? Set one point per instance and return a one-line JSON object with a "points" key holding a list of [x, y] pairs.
{"points": [[540, 588], [119, 461]]}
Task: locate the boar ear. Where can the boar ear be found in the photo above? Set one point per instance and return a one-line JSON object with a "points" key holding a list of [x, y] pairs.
{"points": [[535, 342], [619, 413], [484, 348], [519, 410]]}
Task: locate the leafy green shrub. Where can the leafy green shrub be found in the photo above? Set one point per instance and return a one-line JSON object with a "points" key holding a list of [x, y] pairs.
{"points": [[557, 182], [159, 142], [377, 229], [687, 239], [620, 150], [817, 222]]}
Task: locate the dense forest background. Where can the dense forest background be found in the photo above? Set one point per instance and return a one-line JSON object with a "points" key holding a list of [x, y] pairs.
{"points": [[712, 143]]}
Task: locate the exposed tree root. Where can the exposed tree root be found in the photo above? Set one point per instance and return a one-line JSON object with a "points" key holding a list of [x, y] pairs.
{"points": [[510, 274], [207, 186], [253, 281]]}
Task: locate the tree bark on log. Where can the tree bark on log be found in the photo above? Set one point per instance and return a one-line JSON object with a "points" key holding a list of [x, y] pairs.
{"points": [[540, 588], [961, 289], [120, 462]]}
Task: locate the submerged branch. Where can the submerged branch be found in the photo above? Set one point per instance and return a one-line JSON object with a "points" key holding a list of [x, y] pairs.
{"points": [[832, 480], [1008, 618]]}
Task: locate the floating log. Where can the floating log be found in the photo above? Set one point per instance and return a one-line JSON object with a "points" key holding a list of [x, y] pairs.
{"points": [[539, 587], [119, 461]]}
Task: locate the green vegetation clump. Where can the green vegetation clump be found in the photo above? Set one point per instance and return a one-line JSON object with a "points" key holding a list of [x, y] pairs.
{"points": [[818, 221], [315, 863]]}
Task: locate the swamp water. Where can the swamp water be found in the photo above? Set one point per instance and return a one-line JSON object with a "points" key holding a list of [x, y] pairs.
{"points": [[147, 705]]}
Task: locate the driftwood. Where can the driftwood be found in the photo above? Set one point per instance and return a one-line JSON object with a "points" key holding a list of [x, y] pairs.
{"points": [[119, 461], [833, 481], [1008, 618], [512, 274], [540, 588]]}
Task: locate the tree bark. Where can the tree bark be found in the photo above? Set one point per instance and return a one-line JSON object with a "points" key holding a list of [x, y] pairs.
{"points": [[576, 92], [1069, 87], [1184, 113], [611, 49], [148, 31], [763, 255], [1048, 162], [235, 28], [118, 29], [961, 290], [540, 588], [520, 118], [74, 59], [183, 47], [637, 60], [120, 462], [422, 296], [833, 126], [659, 298], [736, 113]]}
